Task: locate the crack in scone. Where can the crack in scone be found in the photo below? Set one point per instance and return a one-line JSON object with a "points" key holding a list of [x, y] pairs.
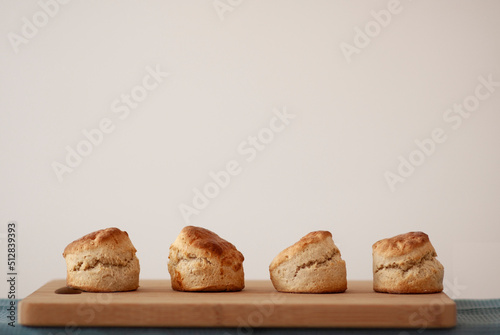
{"points": [[190, 259], [406, 266], [86, 266], [181, 257], [316, 263]]}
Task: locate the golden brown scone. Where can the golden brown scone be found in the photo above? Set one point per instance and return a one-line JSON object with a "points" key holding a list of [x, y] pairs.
{"points": [[102, 261], [199, 260], [406, 263], [312, 265]]}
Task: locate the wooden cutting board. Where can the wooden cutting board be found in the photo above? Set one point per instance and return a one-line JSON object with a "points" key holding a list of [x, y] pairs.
{"points": [[155, 304]]}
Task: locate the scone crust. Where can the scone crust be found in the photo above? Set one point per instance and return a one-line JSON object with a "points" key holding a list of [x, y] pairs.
{"points": [[312, 265], [102, 261], [200, 260], [112, 238], [413, 245], [406, 263], [311, 238]]}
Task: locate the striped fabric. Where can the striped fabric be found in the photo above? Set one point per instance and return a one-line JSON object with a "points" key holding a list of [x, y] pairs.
{"points": [[473, 317]]}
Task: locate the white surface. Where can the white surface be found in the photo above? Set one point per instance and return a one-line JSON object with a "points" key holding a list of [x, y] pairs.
{"points": [[325, 170]]}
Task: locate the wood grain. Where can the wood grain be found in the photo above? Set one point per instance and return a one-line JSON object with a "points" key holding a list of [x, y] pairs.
{"points": [[155, 304]]}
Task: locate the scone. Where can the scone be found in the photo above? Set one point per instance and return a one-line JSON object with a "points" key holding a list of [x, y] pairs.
{"points": [[312, 265], [406, 264], [199, 260], [102, 261]]}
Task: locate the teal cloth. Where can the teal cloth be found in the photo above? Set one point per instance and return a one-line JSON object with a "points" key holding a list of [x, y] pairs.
{"points": [[473, 317]]}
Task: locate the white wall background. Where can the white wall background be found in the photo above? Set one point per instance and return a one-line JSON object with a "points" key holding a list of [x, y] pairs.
{"points": [[325, 170]]}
